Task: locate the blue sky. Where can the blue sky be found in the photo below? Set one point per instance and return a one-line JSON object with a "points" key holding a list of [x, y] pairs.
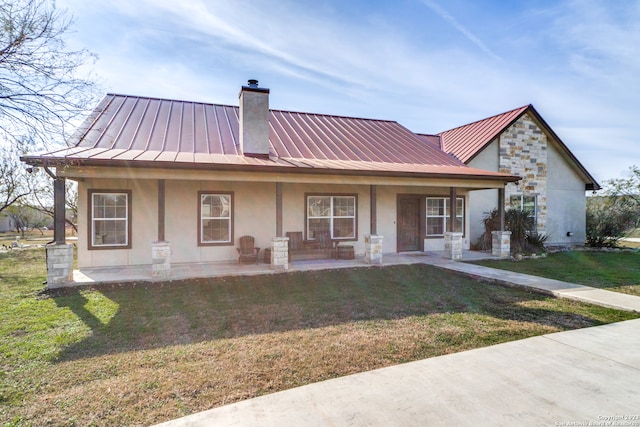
{"points": [[430, 65]]}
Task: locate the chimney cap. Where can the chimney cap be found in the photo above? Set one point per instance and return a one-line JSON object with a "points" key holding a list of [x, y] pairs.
{"points": [[252, 86]]}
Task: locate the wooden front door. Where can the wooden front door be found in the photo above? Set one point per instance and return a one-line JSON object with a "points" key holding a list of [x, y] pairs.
{"points": [[409, 224]]}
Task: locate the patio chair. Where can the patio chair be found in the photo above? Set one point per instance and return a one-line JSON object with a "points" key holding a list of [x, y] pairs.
{"points": [[247, 252], [296, 242], [326, 244]]}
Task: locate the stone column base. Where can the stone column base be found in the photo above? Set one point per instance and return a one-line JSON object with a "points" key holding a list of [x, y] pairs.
{"points": [[501, 244], [453, 246], [373, 249], [59, 265], [280, 253], [161, 260]]}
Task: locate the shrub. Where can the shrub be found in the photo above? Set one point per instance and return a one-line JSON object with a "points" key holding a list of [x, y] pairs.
{"points": [[607, 221], [518, 222]]}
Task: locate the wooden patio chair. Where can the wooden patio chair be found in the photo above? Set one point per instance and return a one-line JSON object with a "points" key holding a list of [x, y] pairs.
{"points": [[247, 252], [296, 242], [326, 244]]}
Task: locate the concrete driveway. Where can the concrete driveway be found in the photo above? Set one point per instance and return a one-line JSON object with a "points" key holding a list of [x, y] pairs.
{"points": [[582, 377]]}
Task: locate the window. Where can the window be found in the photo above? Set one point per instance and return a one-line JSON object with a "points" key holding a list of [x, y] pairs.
{"points": [[215, 219], [438, 215], [527, 203], [333, 214], [109, 219]]}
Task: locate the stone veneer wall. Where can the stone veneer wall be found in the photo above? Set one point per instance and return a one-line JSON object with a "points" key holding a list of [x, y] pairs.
{"points": [[523, 152]]}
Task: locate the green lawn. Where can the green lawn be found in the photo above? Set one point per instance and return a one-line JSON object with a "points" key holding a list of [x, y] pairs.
{"points": [[613, 271], [145, 353]]}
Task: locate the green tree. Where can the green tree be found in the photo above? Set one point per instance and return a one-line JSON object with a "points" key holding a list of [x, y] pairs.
{"points": [[625, 193], [607, 221]]}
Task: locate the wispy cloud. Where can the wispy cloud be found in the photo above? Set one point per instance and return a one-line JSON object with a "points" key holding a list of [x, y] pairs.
{"points": [[440, 11], [575, 60]]}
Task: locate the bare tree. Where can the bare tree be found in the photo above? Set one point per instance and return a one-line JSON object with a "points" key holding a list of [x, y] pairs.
{"points": [[41, 197], [41, 91], [26, 218], [13, 185]]}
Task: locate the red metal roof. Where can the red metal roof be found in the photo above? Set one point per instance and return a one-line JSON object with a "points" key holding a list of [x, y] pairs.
{"points": [[466, 141], [150, 131]]}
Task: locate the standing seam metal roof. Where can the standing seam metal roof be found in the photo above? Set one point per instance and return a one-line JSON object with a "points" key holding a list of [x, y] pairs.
{"points": [[131, 130], [466, 141], [175, 130]]}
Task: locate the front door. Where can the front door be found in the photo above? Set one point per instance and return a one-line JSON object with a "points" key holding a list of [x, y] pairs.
{"points": [[408, 225]]}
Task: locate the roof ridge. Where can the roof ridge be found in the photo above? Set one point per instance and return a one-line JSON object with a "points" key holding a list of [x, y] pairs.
{"points": [[235, 106], [158, 98]]}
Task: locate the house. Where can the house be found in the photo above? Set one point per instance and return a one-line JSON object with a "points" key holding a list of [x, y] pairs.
{"points": [[6, 223], [520, 142], [165, 181]]}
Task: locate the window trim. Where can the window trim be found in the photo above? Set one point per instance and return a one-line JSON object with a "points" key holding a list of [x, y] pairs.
{"points": [[90, 244], [231, 218], [332, 195], [445, 216]]}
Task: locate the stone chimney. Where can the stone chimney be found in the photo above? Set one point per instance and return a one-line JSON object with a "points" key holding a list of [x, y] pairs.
{"points": [[254, 120]]}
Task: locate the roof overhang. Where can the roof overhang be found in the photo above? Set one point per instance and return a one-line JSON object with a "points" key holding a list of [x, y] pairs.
{"points": [[72, 167]]}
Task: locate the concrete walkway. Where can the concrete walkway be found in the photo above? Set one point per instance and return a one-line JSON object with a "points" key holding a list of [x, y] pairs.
{"points": [[554, 287], [581, 377]]}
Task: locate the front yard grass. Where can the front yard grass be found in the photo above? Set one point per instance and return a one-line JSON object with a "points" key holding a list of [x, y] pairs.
{"points": [[139, 354], [614, 271]]}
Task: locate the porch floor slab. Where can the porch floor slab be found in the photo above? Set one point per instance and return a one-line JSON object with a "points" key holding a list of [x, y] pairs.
{"points": [[180, 271]]}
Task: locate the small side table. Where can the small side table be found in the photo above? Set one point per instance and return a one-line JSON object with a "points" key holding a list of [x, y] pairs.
{"points": [[346, 252]]}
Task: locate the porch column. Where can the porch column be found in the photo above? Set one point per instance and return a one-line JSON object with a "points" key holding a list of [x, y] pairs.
{"points": [[59, 253], [161, 249], [501, 239], [501, 207], [59, 209], [278, 209], [161, 210], [280, 253], [373, 209], [452, 210], [372, 249], [452, 239]]}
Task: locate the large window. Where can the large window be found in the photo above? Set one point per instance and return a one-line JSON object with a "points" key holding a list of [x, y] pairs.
{"points": [[215, 214], [110, 217], [526, 203], [438, 216], [335, 215]]}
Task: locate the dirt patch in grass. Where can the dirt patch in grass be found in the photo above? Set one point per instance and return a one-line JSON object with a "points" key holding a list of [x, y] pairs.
{"points": [[141, 354]]}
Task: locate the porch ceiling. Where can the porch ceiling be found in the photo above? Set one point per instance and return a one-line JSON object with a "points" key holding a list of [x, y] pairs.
{"points": [[292, 175]]}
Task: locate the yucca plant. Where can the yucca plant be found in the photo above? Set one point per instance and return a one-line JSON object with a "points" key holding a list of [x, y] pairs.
{"points": [[518, 222]]}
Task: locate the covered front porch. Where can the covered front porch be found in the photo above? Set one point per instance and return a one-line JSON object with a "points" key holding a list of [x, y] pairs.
{"points": [[166, 242], [184, 271]]}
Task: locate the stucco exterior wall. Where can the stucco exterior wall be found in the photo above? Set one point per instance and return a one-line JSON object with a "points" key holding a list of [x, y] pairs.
{"points": [[144, 209], [483, 201], [566, 202], [294, 207], [254, 213], [526, 150], [387, 216]]}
